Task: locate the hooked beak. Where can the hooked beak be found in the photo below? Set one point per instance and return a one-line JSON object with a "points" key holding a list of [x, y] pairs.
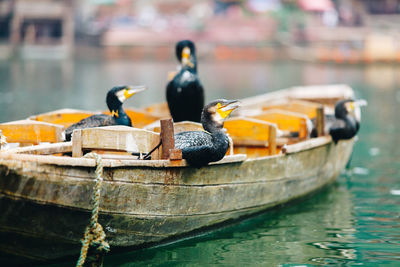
{"points": [[131, 90], [186, 57], [226, 108], [360, 103]]}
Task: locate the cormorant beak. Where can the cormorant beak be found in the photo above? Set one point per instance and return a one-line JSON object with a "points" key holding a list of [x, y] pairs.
{"points": [[351, 106], [186, 57], [131, 90], [224, 109], [360, 103]]}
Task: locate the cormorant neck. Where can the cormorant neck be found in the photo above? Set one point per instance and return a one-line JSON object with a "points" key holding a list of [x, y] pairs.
{"points": [[120, 116], [212, 127]]}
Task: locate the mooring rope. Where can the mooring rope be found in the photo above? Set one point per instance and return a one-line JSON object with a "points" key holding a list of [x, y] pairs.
{"points": [[94, 233]]}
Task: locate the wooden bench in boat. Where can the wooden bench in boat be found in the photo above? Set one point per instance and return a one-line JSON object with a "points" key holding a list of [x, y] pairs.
{"points": [[299, 106], [32, 132], [287, 121], [181, 126], [252, 136], [114, 138], [67, 117]]}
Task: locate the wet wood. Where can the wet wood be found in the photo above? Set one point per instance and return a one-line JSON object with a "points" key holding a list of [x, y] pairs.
{"points": [[31, 132], [167, 137]]}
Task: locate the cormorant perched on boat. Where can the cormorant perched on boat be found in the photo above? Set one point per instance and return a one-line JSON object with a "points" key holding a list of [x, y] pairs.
{"points": [[115, 98], [346, 121], [201, 147], [185, 94]]}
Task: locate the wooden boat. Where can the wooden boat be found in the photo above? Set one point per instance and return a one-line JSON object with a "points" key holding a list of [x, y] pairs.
{"points": [[45, 197]]}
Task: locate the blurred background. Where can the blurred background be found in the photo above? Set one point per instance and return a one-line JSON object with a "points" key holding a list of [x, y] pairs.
{"points": [[67, 53]]}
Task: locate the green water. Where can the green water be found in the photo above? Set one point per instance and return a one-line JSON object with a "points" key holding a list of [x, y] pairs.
{"points": [[356, 221]]}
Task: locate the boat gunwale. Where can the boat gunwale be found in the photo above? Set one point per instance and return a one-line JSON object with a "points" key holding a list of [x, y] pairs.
{"points": [[120, 162]]}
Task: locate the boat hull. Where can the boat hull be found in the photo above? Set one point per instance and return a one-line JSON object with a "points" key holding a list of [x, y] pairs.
{"points": [[45, 208]]}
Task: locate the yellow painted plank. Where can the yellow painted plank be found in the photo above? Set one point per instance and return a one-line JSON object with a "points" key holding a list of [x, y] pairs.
{"points": [[286, 120], [65, 117], [241, 129], [32, 132], [304, 107], [158, 109]]}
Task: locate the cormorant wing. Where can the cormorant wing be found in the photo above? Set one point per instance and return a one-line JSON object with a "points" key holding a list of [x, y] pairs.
{"points": [[97, 120], [192, 139]]}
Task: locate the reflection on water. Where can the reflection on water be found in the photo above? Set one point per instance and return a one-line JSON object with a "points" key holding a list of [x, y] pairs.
{"points": [[356, 221]]}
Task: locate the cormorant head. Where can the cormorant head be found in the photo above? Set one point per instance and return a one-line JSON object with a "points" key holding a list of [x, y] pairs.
{"points": [[216, 112], [118, 94], [349, 106], [186, 53]]}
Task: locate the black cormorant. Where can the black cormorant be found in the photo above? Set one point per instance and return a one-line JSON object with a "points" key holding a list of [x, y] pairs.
{"points": [[115, 98], [201, 147], [345, 123], [185, 94]]}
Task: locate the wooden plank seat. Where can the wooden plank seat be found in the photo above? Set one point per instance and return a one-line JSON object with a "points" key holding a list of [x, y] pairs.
{"points": [[252, 132], [181, 126], [294, 105], [114, 138], [31, 132], [158, 109], [322, 94], [292, 124], [65, 117]]}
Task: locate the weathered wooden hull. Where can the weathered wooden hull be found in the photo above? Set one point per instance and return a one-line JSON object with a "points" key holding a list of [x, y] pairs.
{"points": [[46, 207]]}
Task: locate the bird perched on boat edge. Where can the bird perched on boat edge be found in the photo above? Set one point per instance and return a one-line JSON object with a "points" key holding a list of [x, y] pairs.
{"points": [[115, 98], [345, 123], [185, 94], [201, 147]]}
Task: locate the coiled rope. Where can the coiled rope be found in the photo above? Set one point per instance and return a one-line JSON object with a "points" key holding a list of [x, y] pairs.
{"points": [[94, 234]]}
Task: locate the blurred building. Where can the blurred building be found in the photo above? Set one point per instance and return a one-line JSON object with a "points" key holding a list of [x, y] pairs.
{"points": [[38, 28], [325, 30]]}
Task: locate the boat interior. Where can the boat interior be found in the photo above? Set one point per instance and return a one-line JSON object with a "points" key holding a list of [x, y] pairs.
{"points": [[265, 125]]}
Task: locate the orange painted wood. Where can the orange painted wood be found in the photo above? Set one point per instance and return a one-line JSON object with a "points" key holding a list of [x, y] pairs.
{"points": [[31, 132], [158, 109], [65, 117], [242, 129], [304, 107], [286, 121]]}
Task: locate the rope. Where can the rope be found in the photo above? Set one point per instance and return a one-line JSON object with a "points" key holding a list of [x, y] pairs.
{"points": [[94, 233]]}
